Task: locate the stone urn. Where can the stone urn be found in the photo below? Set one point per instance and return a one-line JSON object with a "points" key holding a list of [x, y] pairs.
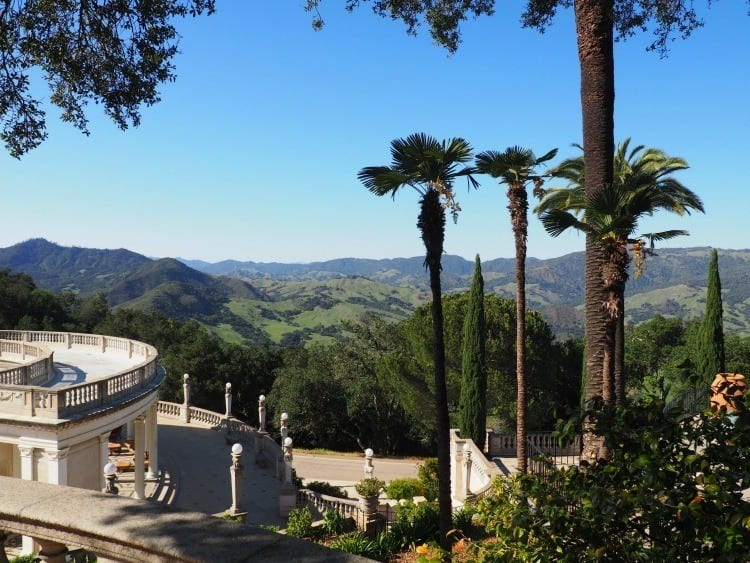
{"points": [[726, 390]]}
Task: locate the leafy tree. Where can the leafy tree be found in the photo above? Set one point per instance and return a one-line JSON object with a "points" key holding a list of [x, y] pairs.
{"points": [[515, 168], [673, 491], [553, 368], [710, 356], [112, 53], [429, 166], [473, 404]]}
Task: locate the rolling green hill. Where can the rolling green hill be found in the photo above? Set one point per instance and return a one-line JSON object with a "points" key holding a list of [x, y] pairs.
{"points": [[293, 303]]}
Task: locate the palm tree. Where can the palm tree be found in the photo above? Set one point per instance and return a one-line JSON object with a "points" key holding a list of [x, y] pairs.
{"points": [[430, 167], [642, 185], [515, 168]]}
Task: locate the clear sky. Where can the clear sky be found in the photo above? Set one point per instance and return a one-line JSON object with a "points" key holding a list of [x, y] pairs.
{"points": [[253, 152]]}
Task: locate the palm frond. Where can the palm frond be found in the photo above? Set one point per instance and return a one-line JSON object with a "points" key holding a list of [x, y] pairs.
{"points": [[382, 180], [556, 222]]}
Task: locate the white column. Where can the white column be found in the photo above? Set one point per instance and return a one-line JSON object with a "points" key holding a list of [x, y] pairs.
{"points": [[186, 398], [140, 435], [57, 466], [129, 430], [152, 439], [103, 458], [27, 473]]}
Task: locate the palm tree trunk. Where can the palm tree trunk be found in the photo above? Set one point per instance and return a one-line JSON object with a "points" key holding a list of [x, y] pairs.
{"points": [[594, 29], [432, 225], [619, 368], [518, 207]]}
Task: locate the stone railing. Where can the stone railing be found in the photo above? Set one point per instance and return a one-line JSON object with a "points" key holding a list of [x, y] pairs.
{"points": [[481, 470], [36, 360], [320, 503], [505, 444], [122, 529], [74, 400]]}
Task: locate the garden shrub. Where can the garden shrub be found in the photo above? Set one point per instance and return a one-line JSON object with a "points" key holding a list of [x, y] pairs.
{"points": [[356, 544], [404, 488], [335, 523], [427, 473], [325, 488], [415, 523], [299, 523]]}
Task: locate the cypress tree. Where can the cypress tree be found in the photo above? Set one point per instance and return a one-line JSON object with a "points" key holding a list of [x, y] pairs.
{"points": [[710, 358], [473, 400]]}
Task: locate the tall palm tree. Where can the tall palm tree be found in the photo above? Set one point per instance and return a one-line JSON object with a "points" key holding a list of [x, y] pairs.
{"points": [[515, 167], [430, 167], [642, 185]]}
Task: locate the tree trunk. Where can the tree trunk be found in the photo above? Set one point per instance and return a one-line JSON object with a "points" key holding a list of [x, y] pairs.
{"points": [[432, 225], [518, 207], [619, 368], [594, 29]]}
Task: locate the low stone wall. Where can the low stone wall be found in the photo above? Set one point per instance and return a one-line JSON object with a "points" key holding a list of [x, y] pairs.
{"points": [[121, 529]]}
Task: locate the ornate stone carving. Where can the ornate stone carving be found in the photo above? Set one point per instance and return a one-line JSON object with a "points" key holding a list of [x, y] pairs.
{"points": [[56, 455], [11, 396]]}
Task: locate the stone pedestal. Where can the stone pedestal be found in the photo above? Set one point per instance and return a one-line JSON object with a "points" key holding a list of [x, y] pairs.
{"points": [[287, 499]]}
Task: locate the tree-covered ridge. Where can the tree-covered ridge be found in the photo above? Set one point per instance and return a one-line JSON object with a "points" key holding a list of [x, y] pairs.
{"points": [[296, 303]]}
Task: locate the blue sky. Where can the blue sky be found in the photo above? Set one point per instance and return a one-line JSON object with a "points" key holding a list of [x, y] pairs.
{"points": [[253, 152]]}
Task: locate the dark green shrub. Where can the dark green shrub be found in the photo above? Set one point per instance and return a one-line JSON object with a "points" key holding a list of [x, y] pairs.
{"points": [[356, 544], [462, 519], [404, 488], [24, 559], [415, 524], [335, 523], [427, 473], [300, 522], [325, 488]]}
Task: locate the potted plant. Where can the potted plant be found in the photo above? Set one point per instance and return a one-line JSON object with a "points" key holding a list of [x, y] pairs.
{"points": [[369, 489]]}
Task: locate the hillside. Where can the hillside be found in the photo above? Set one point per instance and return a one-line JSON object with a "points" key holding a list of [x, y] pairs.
{"points": [[292, 303]]}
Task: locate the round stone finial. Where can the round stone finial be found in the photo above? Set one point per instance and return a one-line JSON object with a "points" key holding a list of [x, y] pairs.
{"points": [[237, 449], [186, 376], [229, 386], [262, 398], [110, 469], [288, 442], [369, 452], [467, 447], [284, 416]]}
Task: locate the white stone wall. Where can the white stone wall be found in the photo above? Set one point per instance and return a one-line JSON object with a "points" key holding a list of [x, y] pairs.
{"points": [[83, 465]]}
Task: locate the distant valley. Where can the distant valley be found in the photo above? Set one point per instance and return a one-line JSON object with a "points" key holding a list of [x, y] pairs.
{"points": [[295, 303]]}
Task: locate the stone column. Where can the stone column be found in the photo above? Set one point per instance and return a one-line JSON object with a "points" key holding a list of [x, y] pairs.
{"points": [[288, 493], [57, 466], [467, 472], [262, 413], [152, 438], [228, 399], [236, 472], [186, 398], [27, 473], [288, 458], [369, 469], [284, 427], [103, 457], [140, 435]]}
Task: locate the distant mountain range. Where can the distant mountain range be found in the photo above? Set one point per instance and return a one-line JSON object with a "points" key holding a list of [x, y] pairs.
{"points": [[292, 303]]}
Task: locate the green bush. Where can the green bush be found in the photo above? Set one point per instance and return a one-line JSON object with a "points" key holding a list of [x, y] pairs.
{"points": [[415, 524], [325, 488], [672, 490], [369, 487], [404, 488], [462, 519], [24, 559], [300, 522], [427, 473], [335, 523], [356, 544]]}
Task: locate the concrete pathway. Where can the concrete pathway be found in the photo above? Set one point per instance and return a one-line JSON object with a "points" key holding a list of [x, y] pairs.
{"points": [[197, 460], [347, 470]]}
